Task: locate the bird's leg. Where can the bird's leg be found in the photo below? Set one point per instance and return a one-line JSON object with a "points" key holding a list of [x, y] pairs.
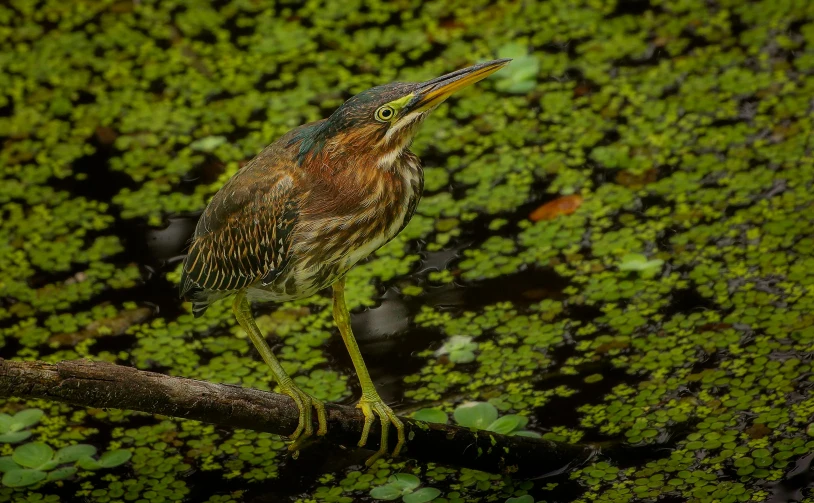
{"points": [[370, 402], [304, 401]]}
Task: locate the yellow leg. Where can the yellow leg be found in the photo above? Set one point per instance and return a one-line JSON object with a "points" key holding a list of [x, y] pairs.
{"points": [[304, 401], [370, 402]]}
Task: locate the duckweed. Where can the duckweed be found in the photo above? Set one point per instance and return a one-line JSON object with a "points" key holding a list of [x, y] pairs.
{"points": [[675, 309]]}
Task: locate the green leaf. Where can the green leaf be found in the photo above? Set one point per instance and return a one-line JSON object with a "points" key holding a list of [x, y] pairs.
{"points": [[431, 415], [5, 423], [462, 356], [22, 477], [14, 436], [525, 433], [455, 344], [508, 424], [62, 473], [208, 143], [26, 418], [386, 492], [73, 453], [88, 463], [7, 464], [404, 481], [33, 454], [638, 262], [521, 499], [423, 495], [519, 76], [114, 458], [475, 414]]}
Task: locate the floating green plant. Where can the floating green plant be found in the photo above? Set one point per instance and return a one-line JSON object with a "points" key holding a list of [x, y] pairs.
{"points": [[35, 462], [460, 348], [484, 416], [13, 428], [405, 486]]}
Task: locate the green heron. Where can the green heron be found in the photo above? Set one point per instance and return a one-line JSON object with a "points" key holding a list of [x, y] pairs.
{"points": [[307, 208]]}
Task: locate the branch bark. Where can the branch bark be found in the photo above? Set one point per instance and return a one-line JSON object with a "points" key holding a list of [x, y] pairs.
{"points": [[100, 385]]}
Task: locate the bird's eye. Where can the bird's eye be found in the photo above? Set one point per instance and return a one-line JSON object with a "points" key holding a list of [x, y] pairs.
{"points": [[385, 113]]}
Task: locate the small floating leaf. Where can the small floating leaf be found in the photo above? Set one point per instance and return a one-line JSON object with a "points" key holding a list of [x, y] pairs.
{"points": [[508, 424], [638, 262], [23, 477], [88, 463], [5, 423], [7, 464], [525, 433], [404, 481], [521, 499], [462, 356], [386, 492], [208, 143], [520, 76], [422, 495], [475, 414], [33, 454], [431, 415], [114, 458], [14, 436], [62, 473], [73, 453], [26, 418]]}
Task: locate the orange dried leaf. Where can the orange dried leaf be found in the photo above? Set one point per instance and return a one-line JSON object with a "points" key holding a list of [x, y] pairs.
{"points": [[552, 209]]}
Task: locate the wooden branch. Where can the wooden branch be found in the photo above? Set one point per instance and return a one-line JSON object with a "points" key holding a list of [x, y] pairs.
{"points": [[100, 385]]}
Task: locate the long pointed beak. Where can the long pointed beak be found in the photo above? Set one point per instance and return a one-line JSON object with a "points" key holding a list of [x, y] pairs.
{"points": [[433, 92]]}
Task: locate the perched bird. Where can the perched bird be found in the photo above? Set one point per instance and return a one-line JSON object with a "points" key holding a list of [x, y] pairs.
{"points": [[299, 215]]}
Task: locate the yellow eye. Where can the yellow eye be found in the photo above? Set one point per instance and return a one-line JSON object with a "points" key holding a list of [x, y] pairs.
{"points": [[385, 113]]}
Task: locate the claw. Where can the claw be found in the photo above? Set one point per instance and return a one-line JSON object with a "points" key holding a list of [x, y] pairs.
{"points": [[305, 427], [387, 416]]}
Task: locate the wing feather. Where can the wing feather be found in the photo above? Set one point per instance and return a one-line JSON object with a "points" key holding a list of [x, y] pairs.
{"points": [[243, 235]]}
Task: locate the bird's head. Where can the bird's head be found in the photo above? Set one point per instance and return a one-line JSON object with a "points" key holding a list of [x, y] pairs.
{"points": [[382, 121]]}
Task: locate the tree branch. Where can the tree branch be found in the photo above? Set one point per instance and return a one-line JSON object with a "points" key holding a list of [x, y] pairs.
{"points": [[100, 384]]}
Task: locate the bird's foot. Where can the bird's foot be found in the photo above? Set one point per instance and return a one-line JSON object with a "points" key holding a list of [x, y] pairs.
{"points": [[372, 407], [305, 426]]}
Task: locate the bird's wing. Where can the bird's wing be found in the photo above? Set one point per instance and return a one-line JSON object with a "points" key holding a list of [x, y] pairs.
{"points": [[243, 235]]}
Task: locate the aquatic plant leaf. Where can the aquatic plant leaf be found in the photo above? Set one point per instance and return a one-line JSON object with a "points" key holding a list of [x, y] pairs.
{"points": [[386, 492], [8, 464], [33, 454], [431, 415], [23, 477], [520, 76], [638, 262], [208, 143], [422, 495], [526, 498], [508, 424], [74, 452], [525, 433], [25, 418], [88, 463], [14, 436], [404, 481], [114, 458], [462, 356], [5, 423], [62, 473], [475, 414], [457, 343]]}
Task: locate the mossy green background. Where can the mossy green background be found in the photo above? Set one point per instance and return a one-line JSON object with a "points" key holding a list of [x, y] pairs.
{"points": [[686, 126]]}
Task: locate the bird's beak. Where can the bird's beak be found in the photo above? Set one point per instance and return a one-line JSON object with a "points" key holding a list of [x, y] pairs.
{"points": [[433, 92]]}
